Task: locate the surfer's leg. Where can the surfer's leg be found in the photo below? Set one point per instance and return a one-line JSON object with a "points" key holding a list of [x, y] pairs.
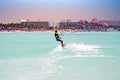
{"points": [[61, 43]]}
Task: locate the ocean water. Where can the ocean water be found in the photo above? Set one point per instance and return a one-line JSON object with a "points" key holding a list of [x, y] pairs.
{"points": [[38, 56]]}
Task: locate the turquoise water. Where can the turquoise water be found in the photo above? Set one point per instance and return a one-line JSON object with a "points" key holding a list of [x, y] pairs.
{"points": [[38, 56]]}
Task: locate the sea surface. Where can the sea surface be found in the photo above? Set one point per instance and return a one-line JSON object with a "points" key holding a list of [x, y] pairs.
{"points": [[38, 56]]}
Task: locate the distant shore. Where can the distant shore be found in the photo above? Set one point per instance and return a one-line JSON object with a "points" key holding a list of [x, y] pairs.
{"points": [[65, 26]]}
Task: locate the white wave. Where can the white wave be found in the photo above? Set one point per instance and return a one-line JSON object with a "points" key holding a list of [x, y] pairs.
{"points": [[75, 47], [81, 47], [71, 50], [57, 49], [89, 56]]}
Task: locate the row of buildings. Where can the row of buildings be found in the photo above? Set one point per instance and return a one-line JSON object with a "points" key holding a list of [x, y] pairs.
{"points": [[81, 25], [94, 25], [70, 23]]}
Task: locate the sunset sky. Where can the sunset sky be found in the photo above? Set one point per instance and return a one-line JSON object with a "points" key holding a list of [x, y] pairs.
{"points": [[56, 10]]}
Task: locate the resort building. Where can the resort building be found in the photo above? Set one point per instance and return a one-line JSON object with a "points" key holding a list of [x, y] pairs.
{"points": [[110, 22], [36, 23]]}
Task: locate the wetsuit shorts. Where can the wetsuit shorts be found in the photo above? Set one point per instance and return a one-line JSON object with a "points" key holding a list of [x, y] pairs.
{"points": [[58, 39]]}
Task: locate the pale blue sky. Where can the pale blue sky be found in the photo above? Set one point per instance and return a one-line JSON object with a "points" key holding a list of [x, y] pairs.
{"points": [[55, 10]]}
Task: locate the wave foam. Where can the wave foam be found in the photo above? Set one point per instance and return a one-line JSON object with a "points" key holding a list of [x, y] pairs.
{"points": [[57, 49], [81, 47]]}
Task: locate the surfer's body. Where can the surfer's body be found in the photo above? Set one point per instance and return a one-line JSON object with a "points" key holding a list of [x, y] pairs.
{"points": [[58, 38]]}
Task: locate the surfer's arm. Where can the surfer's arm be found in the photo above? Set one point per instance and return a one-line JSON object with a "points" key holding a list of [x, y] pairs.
{"points": [[61, 34]]}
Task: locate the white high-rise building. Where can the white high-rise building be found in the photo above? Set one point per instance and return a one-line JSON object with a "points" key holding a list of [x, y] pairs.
{"points": [[56, 24]]}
